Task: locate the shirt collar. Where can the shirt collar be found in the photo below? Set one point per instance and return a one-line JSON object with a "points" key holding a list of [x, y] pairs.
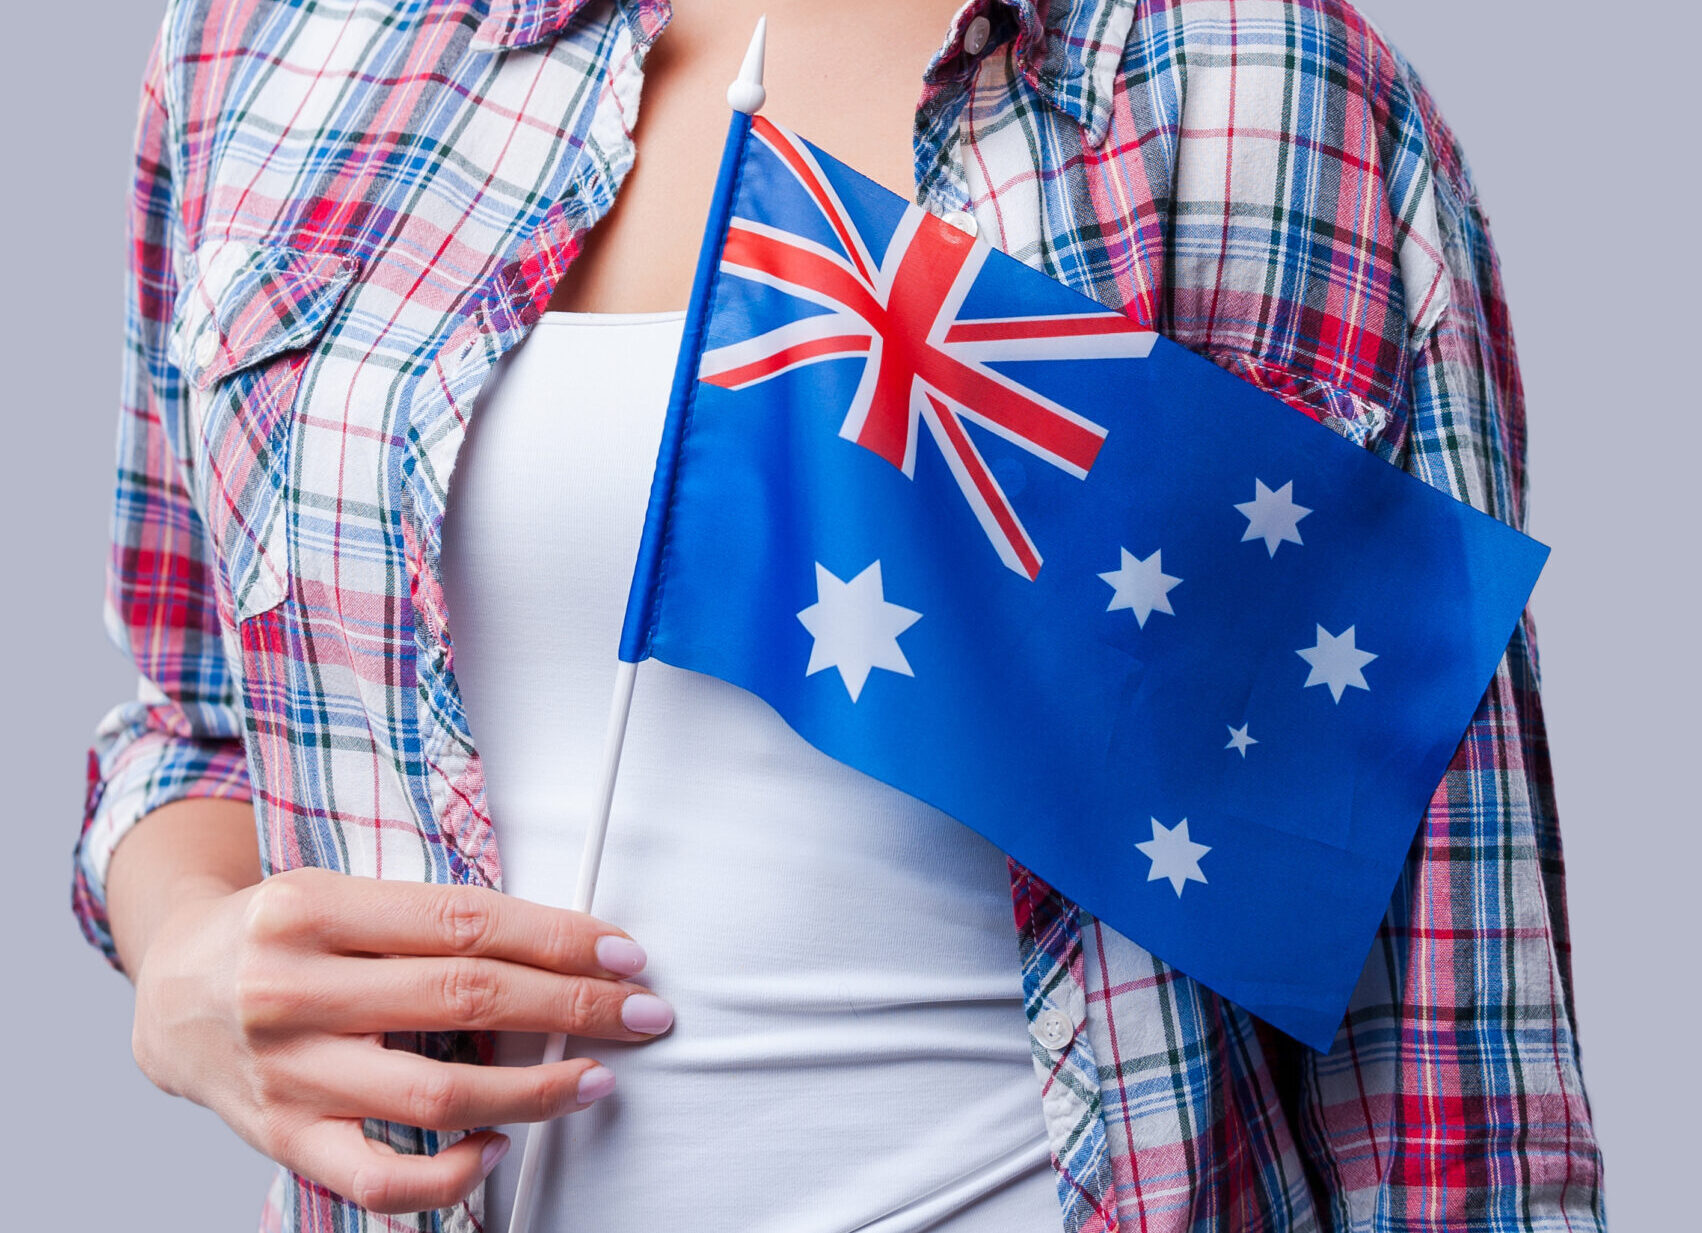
{"points": [[519, 23], [1068, 50]]}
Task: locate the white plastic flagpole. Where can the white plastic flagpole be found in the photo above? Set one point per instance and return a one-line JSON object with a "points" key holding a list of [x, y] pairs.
{"points": [[746, 95], [590, 861]]}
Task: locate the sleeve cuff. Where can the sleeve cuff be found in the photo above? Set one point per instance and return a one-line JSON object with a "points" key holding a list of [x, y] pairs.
{"points": [[143, 758]]}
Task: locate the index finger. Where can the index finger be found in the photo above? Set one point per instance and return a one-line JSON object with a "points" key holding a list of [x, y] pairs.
{"points": [[337, 1154], [375, 916]]}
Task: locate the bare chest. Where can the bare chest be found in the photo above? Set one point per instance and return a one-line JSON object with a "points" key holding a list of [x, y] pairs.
{"points": [[851, 90]]}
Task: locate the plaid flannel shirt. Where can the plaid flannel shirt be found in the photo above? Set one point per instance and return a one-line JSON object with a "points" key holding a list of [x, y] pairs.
{"points": [[344, 211]]}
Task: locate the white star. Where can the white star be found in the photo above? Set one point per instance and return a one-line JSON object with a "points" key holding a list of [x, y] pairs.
{"points": [[1140, 585], [1272, 516], [1173, 855], [1239, 740], [1336, 662], [855, 629]]}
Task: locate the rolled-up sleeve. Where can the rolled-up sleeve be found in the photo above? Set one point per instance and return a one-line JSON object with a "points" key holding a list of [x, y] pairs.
{"points": [[182, 734]]}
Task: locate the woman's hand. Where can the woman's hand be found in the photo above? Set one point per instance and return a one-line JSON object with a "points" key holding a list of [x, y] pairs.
{"points": [[267, 1004]]}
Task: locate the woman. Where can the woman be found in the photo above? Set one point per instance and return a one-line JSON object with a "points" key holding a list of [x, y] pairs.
{"points": [[347, 221]]}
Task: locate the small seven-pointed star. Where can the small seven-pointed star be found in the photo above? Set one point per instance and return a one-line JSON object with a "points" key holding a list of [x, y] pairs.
{"points": [[1336, 662], [1273, 516], [1141, 586]]}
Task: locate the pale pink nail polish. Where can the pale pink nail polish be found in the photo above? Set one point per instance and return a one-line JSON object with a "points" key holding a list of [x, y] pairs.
{"points": [[620, 955], [595, 1084], [494, 1151], [645, 1012]]}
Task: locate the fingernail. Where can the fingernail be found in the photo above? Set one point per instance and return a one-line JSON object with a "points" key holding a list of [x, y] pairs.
{"points": [[595, 1084], [645, 1012], [494, 1151], [620, 955]]}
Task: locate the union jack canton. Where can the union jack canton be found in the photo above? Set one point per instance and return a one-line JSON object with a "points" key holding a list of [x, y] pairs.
{"points": [[882, 311]]}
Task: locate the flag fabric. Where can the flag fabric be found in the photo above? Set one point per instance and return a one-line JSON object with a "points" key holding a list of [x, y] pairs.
{"points": [[1189, 656]]}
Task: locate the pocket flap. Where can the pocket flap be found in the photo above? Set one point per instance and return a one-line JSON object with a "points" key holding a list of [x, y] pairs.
{"points": [[244, 322], [246, 302]]}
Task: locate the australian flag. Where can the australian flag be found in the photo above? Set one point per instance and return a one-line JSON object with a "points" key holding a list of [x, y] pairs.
{"points": [[1192, 658]]}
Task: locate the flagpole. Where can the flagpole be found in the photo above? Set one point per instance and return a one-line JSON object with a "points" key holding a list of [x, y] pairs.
{"points": [[746, 95]]}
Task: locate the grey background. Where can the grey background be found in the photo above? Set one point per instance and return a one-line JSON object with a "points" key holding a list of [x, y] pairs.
{"points": [[1581, 131]]}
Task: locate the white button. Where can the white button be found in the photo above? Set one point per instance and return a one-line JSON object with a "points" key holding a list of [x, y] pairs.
{"points": [[975, 38], [1054, 1029], [964, 221], [218, 277], [223, 268], [207, 345]]}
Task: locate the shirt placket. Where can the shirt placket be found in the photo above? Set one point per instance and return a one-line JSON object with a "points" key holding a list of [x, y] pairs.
{"points": [[1049, 927], [496, 318]]}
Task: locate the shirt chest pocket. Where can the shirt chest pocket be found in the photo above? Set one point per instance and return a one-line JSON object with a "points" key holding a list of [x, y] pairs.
{"points": [[244, 330]]}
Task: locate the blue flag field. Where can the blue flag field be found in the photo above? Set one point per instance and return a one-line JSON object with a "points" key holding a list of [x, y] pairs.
{"points": [[1192, 658]]}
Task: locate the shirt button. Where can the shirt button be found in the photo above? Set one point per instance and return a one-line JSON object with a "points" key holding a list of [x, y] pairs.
{"points": [[206, 346], [964, 221], [976, 36], [1054, 1029], [222, 269]]}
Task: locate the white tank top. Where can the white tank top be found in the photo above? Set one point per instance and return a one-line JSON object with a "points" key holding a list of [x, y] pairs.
{"points": [[849, 1050]]}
